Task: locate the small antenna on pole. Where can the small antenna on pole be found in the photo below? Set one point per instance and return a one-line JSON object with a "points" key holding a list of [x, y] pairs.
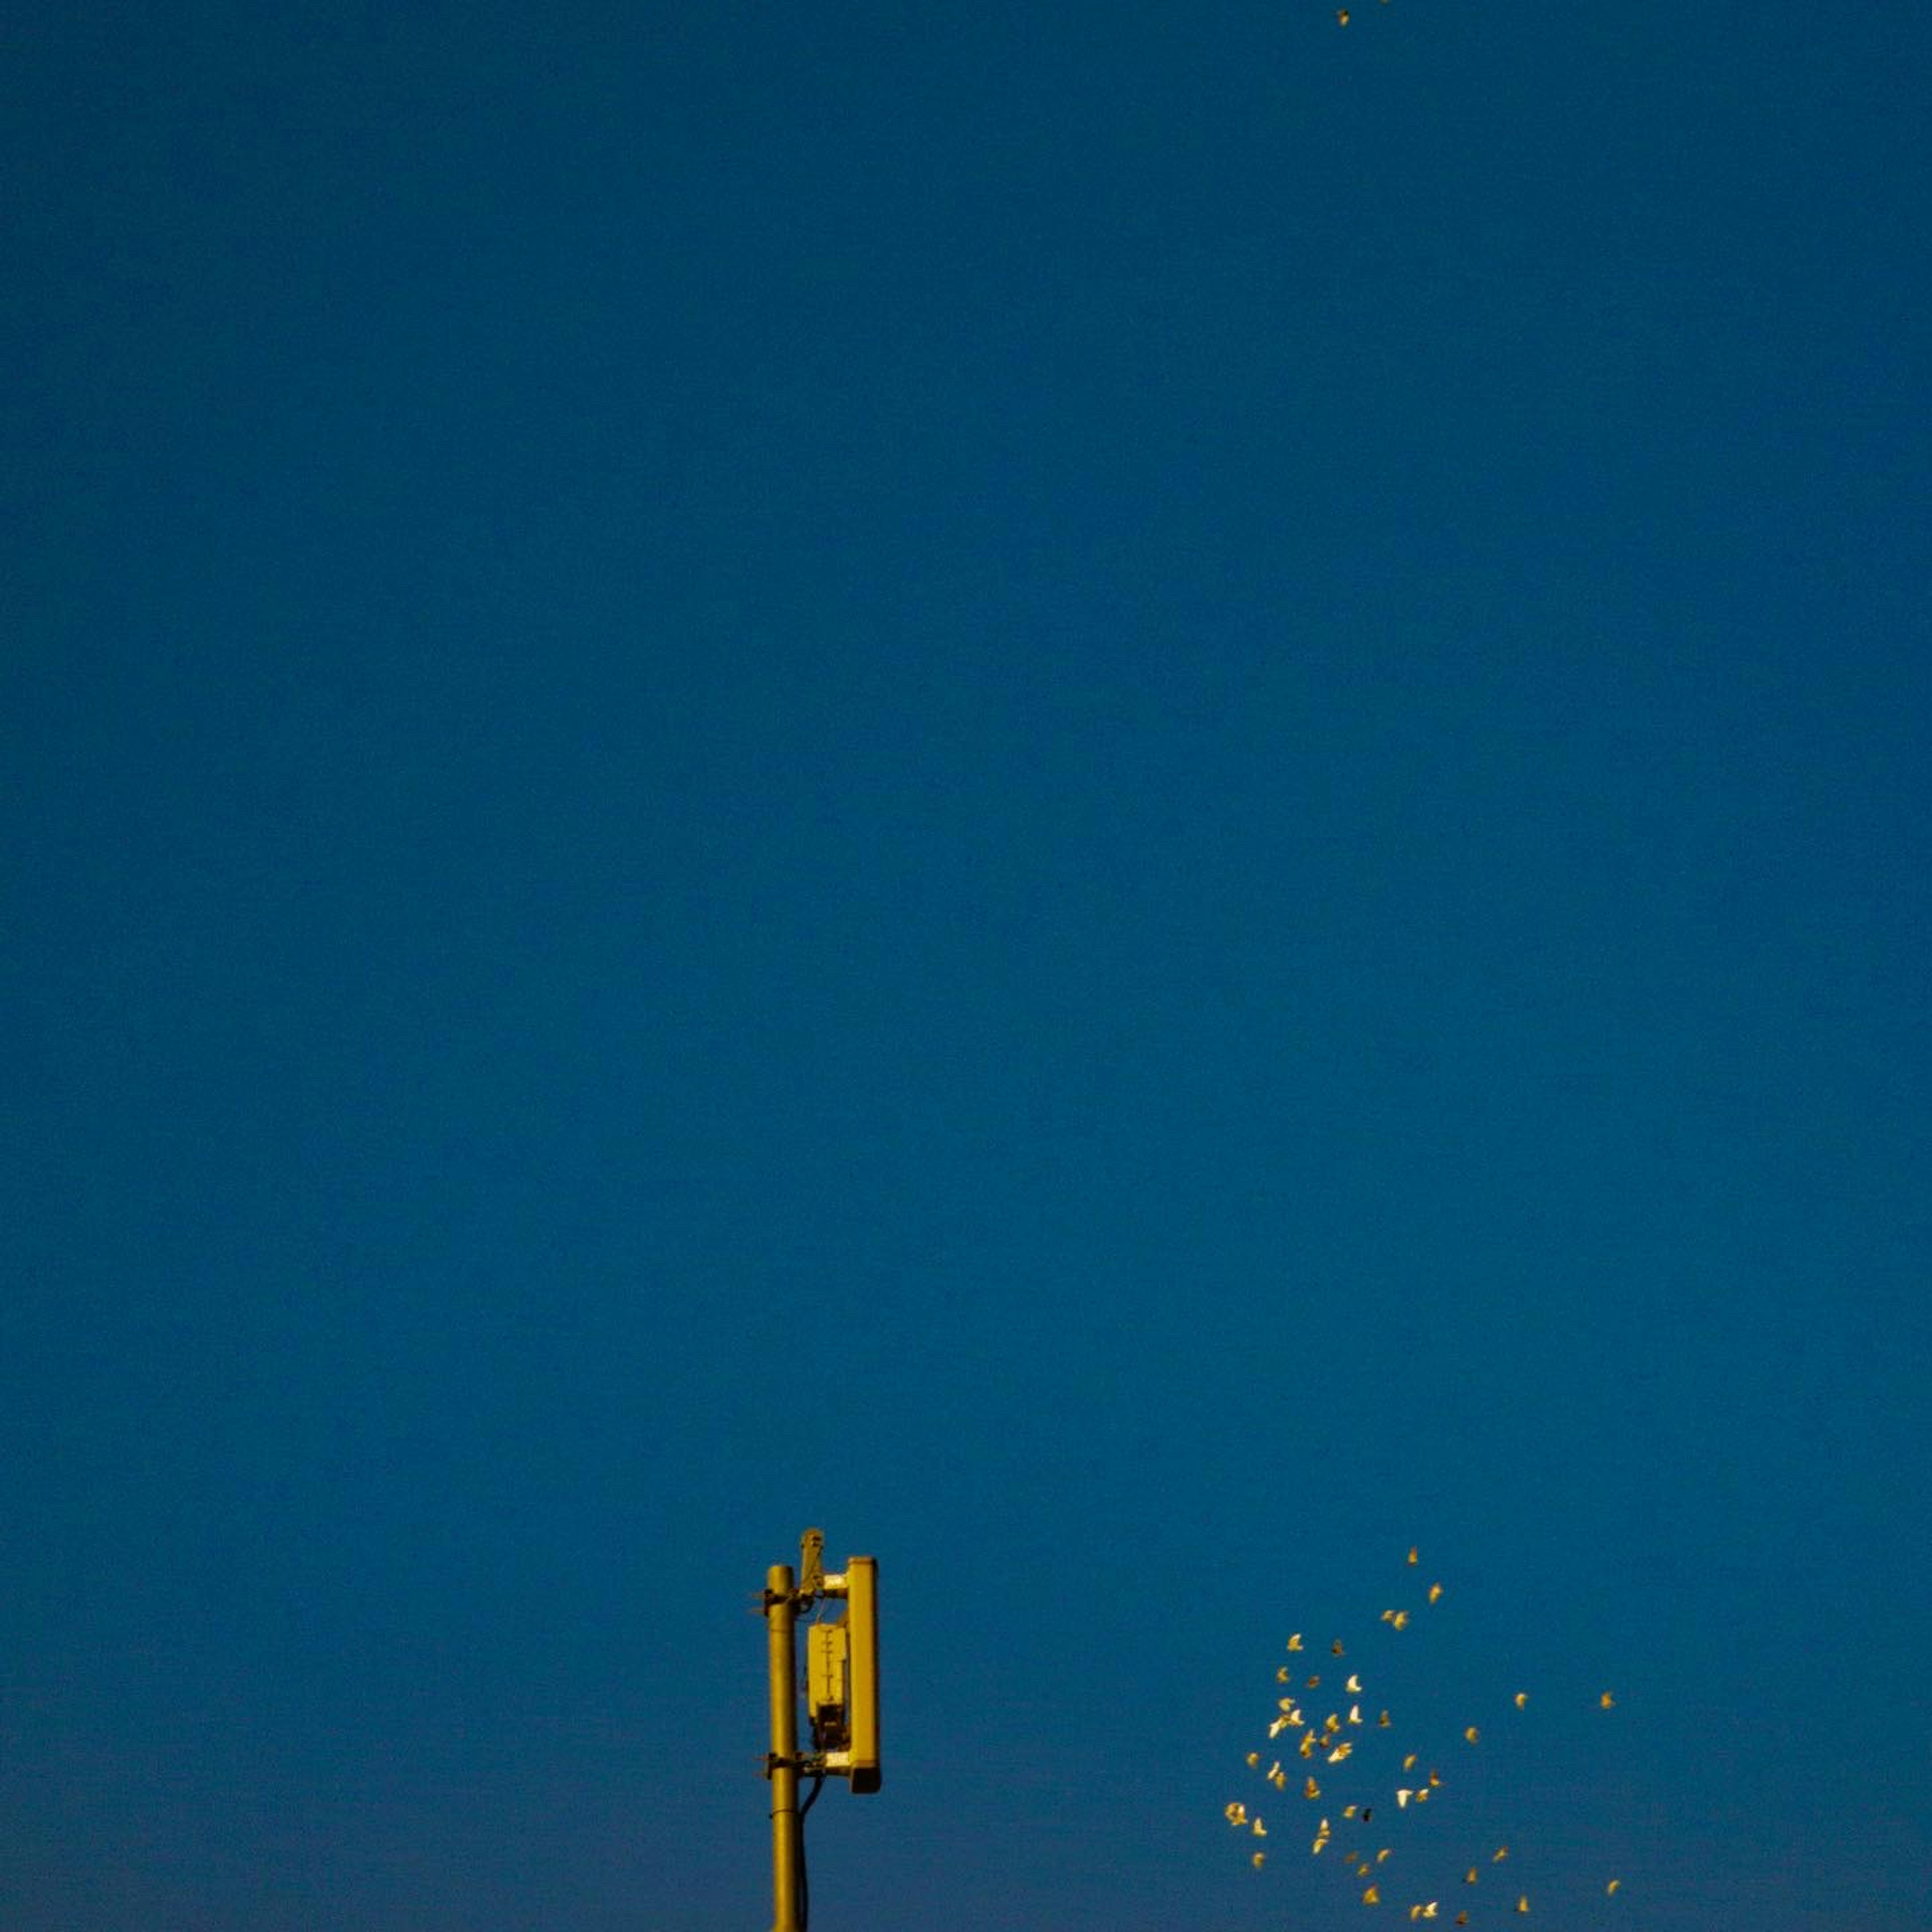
{"points": [[842, 1689]]}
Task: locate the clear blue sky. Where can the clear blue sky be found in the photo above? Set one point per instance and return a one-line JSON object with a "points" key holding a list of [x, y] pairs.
{"points": [[1135, 798]]}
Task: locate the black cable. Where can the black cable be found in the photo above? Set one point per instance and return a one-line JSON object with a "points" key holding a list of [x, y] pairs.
{"points": [[817, 1785], [804, 1877]]}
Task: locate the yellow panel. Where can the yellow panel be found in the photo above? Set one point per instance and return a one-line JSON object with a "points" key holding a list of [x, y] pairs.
{"points": [[825, 1667], [862, 1621]]}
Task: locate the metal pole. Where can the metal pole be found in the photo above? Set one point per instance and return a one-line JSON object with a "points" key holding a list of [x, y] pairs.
{"points": [[779, 1612]]}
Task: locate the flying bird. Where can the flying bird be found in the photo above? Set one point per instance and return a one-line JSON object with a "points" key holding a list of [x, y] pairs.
{"points": [[1328, 1737]]}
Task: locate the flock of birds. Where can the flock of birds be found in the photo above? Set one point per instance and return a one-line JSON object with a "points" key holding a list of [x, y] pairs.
{"points": [[1314, 1763]]}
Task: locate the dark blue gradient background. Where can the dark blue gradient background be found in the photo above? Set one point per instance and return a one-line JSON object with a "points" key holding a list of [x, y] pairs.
{"points": [[1135, 798]]}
